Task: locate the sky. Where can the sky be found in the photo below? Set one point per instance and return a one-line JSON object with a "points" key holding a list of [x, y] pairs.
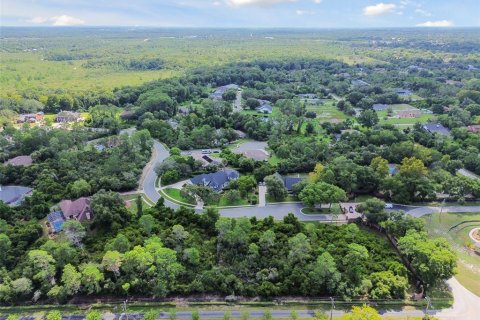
{"points": [[242, 13]]}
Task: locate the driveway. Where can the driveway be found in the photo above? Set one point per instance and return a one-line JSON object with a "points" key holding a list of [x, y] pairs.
{"points": [[250, 145], [262, 194]]}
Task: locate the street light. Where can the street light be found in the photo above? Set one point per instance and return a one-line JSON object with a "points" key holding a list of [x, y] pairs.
{"points": [[333, 307]]}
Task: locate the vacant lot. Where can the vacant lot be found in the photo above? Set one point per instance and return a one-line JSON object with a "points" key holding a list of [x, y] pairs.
{"points": [[327, 112], [468, 262], [404, 122]]}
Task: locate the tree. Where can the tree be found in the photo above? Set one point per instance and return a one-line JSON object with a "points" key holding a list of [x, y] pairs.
{"points": [[246, 184], [43, 266], [300, 248], [321, 192], [71, 280], [109, 210], [368, 118], [316, 175], [80, 188], [195, 315], [120, 243], [5, 245], [229, 95], [324, 277], [380, 166], [232, 195], [92, 278], [252, 103], [54, 315], [374, 210], [275, 188], [434, 260], [21, 287], [151, 315], [362, 313], [354, 261], [387, 285], [74, 231], [147, 223], [93, 315], [112, 261], [139, 203]]}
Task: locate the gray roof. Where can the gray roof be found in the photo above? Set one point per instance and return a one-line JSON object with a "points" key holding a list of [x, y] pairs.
{"points": [[288, 182], [360, 83], [13, 195], [436, 128], [403, 92], [217, 180], [380, 106]]}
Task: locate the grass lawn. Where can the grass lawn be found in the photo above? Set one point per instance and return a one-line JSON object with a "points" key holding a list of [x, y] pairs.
{"points": [[175, 194], [327, 112], [324, 210], [468, 262], [383, 116], [223, 202]]}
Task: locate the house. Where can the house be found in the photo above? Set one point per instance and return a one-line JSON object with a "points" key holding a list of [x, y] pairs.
{"points": [[436, 128], [14, 195], [393, 169], [217, 180], [288, 182], [127, 115], [78, 209], [30, 118], [265, 107], [68, 116], [403, 92], [380, 107], [359, 83], [412, 113], [240, 134], [218, 93], [475, 128], [20, 161]]}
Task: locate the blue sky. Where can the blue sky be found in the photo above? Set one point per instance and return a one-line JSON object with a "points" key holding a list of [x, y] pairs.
{"points": [[242, 13]]}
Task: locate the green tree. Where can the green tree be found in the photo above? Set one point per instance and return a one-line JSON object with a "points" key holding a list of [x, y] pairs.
{"points": [[21, 287], [139, 203], [93, 315], [5, 245], [42, 265], [380, 166], [374, 210], [300, 248], [246, 184], [195, 315], [92, 278], [151, 315], [324, 277], [54, 315], [71, 280], [74, 231], [321, 192], [110, 211], [112, 261], [362, 313], [275, 188], [147, 223], [80, 188], [368, 118]]}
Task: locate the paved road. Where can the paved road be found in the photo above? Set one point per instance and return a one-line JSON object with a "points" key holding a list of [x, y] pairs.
{"points": [[147, 182], [466, 305]]}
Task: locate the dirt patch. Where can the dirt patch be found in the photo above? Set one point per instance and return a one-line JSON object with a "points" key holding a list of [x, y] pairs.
{"points": [[476, 235]]}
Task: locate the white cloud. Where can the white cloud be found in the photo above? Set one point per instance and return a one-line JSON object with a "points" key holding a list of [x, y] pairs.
{"points": [[238, 3], [423, 12], [65, 20], [439, 23], [378, 9], [317, 1], [304, 12], [62, 20]]}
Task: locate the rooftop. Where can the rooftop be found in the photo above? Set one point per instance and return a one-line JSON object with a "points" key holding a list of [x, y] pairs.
{"points": [[13, 195], [20, 161]]}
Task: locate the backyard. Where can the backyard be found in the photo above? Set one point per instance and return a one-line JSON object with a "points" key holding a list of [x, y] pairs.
{"points": [[468, 269]]}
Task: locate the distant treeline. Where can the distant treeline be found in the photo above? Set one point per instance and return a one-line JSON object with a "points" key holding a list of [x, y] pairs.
{"points": [[133, 64]]}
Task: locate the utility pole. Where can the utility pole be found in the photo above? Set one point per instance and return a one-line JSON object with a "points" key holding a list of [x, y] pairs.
{"points": [[332, 307]]}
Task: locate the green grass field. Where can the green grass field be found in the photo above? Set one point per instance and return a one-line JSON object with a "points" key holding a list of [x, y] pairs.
{"points": [[176, 195], [468, 262], [404, 122], [327, 112]]}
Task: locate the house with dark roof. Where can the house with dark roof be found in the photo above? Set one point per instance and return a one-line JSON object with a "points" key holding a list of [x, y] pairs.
{"points": [[265, 107], [436, 128], [217, 180], [30, 118], [380, 107], [359, 83], [403, 92], [14, 195], [68, 116], [218, 93], [20, 161], [77, 209], [288, 182]]}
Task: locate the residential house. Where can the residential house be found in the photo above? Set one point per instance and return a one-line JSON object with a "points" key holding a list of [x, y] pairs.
{"points": [[78, 209], [68, 116], [30, 118], [265, 107], [240, 134], [217, 180], [475, 128], [20, 161], [359, 83], [14, 195], [380, 107], [288, 182], [436, 128], [403, 92], [218, 93], [412, 113], [205, 159]]}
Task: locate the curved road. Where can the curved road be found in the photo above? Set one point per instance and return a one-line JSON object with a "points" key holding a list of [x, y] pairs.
{"points": [[278, 211]]}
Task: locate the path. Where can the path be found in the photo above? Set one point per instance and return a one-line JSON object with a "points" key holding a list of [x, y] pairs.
{"points": [[262, 193], [237, 105]]}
